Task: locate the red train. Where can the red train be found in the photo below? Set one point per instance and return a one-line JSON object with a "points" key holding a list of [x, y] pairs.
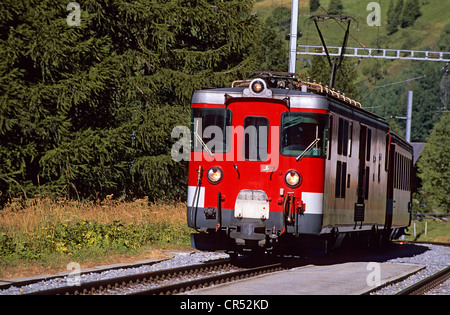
{"points": [[275, 160]]}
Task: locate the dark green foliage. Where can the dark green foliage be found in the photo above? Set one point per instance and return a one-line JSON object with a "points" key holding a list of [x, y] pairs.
{"points": [[394, 15], [434, 165], [345, 77], [410, 13], [75, 237], [392, 18], [391, 100], [314, 5], [271, 51], [335, 7], [444, 39], [87, 110], [403, 14]]}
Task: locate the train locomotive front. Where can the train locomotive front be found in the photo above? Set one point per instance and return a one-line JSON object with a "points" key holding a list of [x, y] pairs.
{"points": [[277, 160], [256, 167]]}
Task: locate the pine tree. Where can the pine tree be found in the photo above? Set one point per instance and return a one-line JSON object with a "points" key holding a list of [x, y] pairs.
{"points": [[434, 165], [335, 7], [270, 49], [392, 19], [410, 13], [444, 39], [88, 110], [397, 13], [314, 5]]}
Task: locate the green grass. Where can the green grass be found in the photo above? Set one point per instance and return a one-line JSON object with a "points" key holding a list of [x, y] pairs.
{"points": [[423, 35], [45, 234], [437, 231]]}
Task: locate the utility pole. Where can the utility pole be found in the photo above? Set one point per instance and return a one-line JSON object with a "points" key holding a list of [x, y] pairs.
{"points": [[293, 37], [409, 116]]}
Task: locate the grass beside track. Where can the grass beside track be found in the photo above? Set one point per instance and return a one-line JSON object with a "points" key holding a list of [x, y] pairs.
{"points": [[437, 231], [42, 236]]}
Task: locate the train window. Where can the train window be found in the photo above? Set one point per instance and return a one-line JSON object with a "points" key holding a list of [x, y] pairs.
{"points": [[386, 153], [338, 179], [341, 176], [330, 136], [350, 138], [300, 130], [256, 138], [208, 129], [369, 143], [344, 138], [366, 182], [340, 136], [403, 172]]}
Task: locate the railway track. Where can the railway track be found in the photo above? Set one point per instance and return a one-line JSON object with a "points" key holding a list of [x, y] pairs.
{"points": [[101, 286], [168, 281], [183, 279], [211, 280], [427, 284]]}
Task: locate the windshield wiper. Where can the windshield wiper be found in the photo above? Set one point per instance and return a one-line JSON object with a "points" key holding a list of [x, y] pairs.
{"points": [[298, 158], [205, 147]]}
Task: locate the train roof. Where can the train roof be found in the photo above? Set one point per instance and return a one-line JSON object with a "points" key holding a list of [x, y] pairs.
{"points": [[297, 99], [296, 94]]}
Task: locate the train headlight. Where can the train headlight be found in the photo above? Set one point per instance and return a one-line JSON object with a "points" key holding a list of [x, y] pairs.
{"points": [[292, 179], [257, 86], [214, 175]]}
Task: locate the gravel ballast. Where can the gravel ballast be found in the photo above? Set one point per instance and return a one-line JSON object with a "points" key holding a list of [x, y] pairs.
{"points": [[434, 257]]}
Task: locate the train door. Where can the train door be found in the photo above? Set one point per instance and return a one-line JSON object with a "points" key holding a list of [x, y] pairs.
{"points": [[362, 188], [390, 184], [253, 168]]}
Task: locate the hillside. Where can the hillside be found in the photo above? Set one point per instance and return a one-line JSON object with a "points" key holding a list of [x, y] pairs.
{"points": [[425, 34], [422, 35]]}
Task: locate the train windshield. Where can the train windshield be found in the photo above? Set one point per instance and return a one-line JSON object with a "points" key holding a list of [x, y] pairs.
{"points": [[304, 134], [208, 129]]}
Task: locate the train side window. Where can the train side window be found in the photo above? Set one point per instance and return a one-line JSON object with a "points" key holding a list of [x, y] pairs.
{"points": [[409, 174], [350, 138], [369, 143], [338, 179], [403, 172], [341, 177], [367, 180], [386, 155], [330, 135], [345, 139], [342, 148], [396, 170], [256, 138], [340, 135]]}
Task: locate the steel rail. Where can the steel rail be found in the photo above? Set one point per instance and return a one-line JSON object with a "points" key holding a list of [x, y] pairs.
{"points": [[94, 286], [427, 284], [209, 281]]}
